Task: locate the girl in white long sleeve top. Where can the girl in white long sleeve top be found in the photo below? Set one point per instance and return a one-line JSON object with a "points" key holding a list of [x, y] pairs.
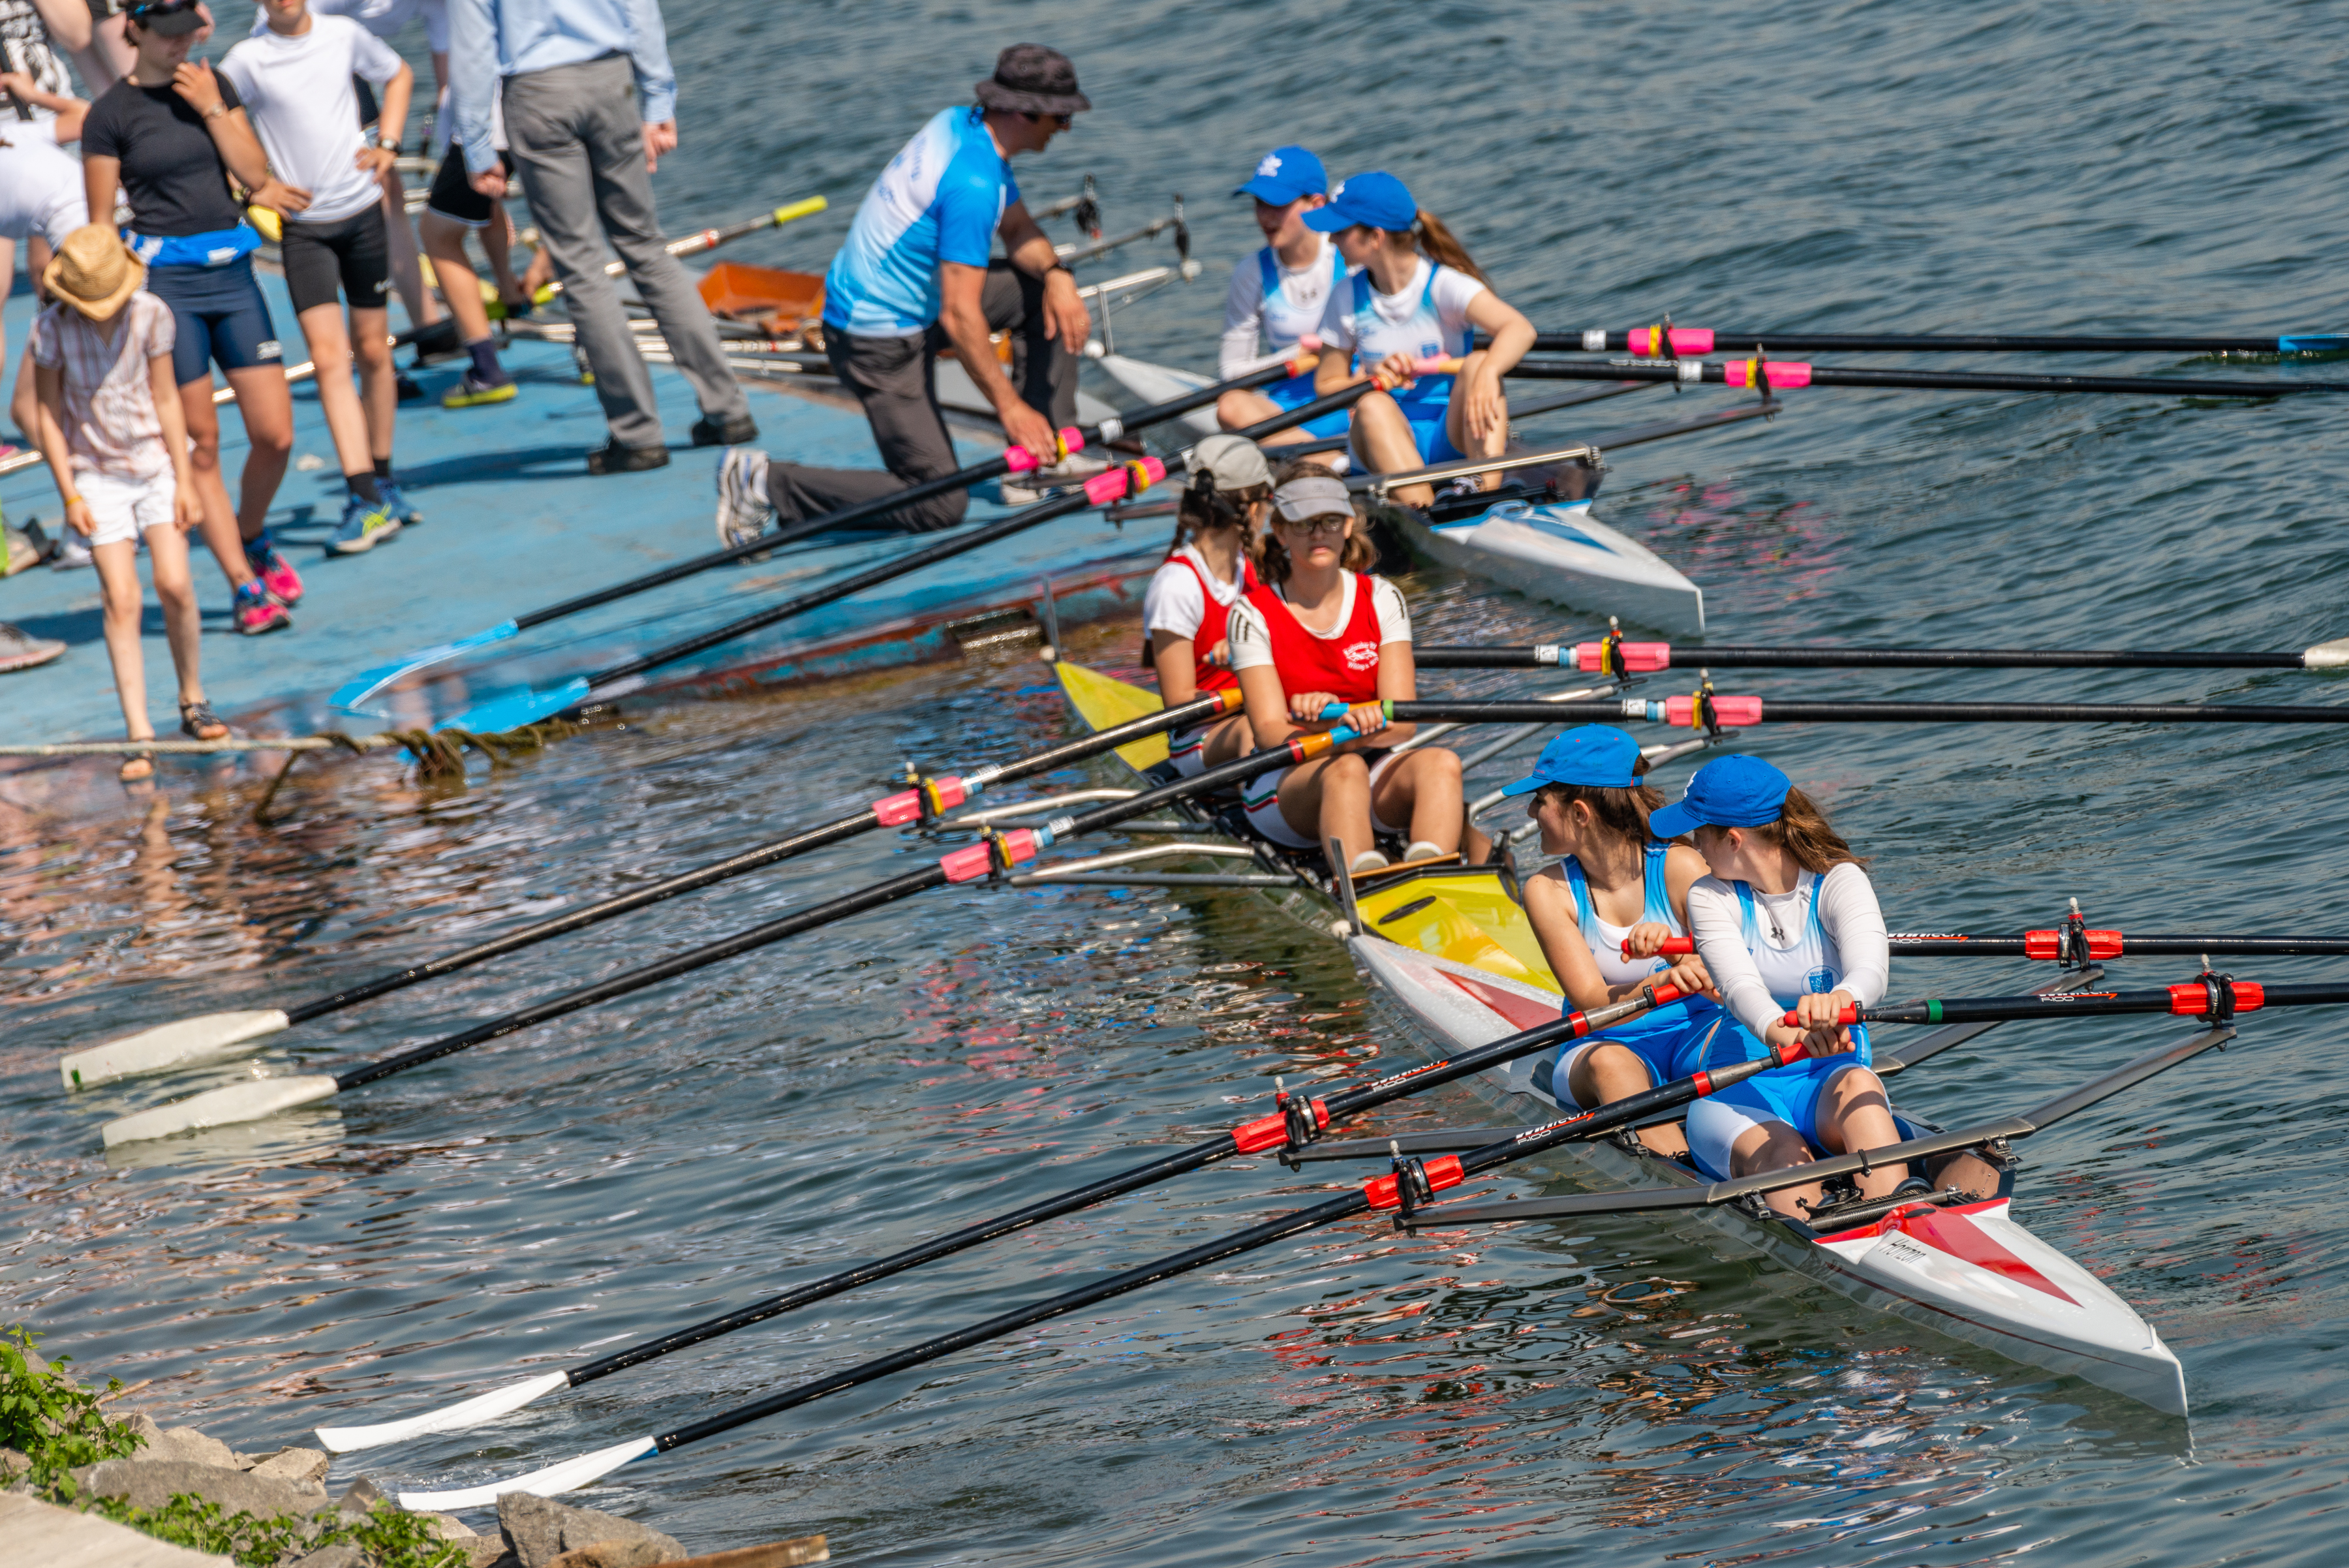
{"points": [[1787, 921]]}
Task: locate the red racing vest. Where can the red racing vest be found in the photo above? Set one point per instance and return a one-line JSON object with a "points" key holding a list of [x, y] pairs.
{"points": [[1212, 626], [1345, 666]]}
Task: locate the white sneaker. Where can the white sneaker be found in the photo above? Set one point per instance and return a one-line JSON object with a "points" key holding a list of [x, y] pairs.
{"points": [[71, 552], [743, 510], [1367, 861]]}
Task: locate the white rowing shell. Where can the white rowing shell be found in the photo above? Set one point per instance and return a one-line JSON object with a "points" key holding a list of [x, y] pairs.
{"points": [[1557, 551]]}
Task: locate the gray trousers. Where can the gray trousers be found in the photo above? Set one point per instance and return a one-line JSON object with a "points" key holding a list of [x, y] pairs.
{"points": [[895, 379], [579, 147]]}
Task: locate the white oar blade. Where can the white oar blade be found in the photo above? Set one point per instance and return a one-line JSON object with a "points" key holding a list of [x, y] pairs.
{"points": [[2333, 655], [567, 1476], [222, 1107], [184, 1043], [455, 1419]]}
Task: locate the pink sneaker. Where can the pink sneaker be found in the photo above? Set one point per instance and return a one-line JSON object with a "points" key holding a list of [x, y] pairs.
{"points": [[276, 572], [256, 612]]}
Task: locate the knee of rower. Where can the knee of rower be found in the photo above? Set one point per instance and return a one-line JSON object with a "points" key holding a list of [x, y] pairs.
{"points": [[1774, 1146], [1615, 1070], [1234, 409]]}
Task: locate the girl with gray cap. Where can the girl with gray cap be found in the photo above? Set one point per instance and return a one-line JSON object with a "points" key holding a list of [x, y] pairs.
{"points": [[1186, 609], [1319, 630]]}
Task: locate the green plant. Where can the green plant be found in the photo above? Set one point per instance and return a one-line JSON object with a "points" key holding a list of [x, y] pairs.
{"points": [[391, 1538], [51, 1421]]}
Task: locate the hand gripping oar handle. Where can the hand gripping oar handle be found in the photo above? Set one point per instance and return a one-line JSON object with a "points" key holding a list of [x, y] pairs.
{"points": [[1678, 342], [2216, 997], [1622, 657], [1787, 375], [2057, 946]]}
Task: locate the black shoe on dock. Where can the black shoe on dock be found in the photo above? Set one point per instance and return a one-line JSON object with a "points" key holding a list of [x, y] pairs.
{"points": [[618, 459], [736, 431]]}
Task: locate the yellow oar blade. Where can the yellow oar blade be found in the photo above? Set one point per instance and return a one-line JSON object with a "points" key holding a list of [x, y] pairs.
{"points": [[1102, 702], [806, 207]]}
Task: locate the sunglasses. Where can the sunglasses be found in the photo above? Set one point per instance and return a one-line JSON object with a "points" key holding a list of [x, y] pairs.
{"points": [[1328, 523], [140, 13]]}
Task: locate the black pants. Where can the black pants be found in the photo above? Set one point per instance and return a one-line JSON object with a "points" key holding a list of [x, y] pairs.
{"points": [[897, 381]]}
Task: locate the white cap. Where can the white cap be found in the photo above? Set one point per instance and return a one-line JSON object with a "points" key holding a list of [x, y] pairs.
{"points": [[1232, 461]]}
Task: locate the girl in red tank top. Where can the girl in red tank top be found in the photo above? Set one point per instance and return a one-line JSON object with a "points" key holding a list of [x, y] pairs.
{"points": [[1188, 608], [1319, 630]]}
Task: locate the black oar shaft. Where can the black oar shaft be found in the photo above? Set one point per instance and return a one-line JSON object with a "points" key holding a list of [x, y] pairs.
{"points": [[1709, 372], [2157, 945], [1727, 342], [1773, 711], [945, 549], [882, 505], [2186, 1000], [767, 854], [1445, 657]]}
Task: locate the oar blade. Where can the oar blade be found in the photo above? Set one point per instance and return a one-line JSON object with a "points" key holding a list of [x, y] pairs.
{"points": [[2333, 655], [167, 1047], [515, 709], [252, 1102], [472, 1412], [568, 1476], [2312, 343], [367, 682]]}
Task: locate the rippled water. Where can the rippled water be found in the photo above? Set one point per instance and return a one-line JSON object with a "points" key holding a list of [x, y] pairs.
{"points": [[1621, 1387]]}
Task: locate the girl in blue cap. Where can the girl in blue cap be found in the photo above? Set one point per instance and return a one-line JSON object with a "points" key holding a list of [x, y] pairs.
{"points": [[1786, 921], [1279, 292], [1616, 883], [1417, 296]]}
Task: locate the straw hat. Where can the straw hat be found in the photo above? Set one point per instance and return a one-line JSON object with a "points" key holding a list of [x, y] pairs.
{"points": [[94, 271]]}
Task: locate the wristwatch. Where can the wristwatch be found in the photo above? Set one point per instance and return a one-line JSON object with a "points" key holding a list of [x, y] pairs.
{"points": [[217, 110]]}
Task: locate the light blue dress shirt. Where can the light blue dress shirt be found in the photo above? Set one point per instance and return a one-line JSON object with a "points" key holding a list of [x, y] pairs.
{"points": [[492, 38]]}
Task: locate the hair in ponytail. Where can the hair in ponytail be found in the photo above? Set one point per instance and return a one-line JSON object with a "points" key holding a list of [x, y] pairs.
{"points": [[1621, 810], [1442, 246], [1803, 831], [1203, 508], [1271, 557]]}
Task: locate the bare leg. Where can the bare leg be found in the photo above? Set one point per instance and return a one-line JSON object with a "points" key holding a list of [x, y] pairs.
{"points": [[1775, 1146], [167, 550], [1384, 441], [347, 418], [22, 403], [379, 381], [266, 405], [220, 521], [1455, 425], [444, 242], [1424, 789], [1330, 797], [1854, 1115], [118, 579], [1608, 1072], [497, 244], [406, 276], [1227, 741]]}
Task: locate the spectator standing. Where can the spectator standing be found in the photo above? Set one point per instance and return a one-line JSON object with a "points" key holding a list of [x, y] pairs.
{"points": [[295, 80], [170, 160], [41, 202], [116, 445], [587, 146]]}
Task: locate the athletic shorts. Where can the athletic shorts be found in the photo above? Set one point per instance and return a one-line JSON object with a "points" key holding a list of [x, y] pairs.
{"points": [[1671, 1042], [219, 316], [1295, 393], [125, 508], [1788, 1095], [348, 259], [1261, 794], [453, 196], [1427, 404]]}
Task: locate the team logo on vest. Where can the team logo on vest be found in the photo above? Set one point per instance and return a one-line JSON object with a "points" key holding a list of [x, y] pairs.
{"points": [[1361, 656], [1820, 982]]}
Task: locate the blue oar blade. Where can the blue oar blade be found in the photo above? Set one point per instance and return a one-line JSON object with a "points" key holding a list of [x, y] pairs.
{"points": [[2313, 343], [515, 709], [359, 688]]}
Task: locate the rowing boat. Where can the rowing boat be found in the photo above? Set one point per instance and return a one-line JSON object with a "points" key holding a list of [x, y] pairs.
{"points": [[1453, 959]]}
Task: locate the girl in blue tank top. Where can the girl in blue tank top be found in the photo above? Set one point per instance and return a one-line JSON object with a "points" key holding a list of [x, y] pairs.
{"points": [[1417, 296], [1279, 295], [1614, 887]]}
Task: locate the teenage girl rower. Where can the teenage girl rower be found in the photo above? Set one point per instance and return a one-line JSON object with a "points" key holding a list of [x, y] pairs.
{"points": [[1615, 884], [1788, 921], [1418, 296], [1280, 293], [1318, 629], [1186, 609]]}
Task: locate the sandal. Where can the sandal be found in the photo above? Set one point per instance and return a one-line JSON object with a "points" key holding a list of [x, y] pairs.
{"points": [[199, 722], [137, 767]]}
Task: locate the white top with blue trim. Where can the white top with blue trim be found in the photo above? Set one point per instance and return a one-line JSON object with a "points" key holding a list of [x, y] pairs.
{"points": [[1606, 939], [1269, 296], [1767, 951], [1427, 319], [938, 201]]}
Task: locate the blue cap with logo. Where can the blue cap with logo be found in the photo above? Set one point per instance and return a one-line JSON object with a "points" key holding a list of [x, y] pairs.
{"points": [[1378, 199], [1727, 792], [1283, 174], [1593, 755]]}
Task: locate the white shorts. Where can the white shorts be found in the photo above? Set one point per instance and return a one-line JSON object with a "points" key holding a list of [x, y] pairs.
{"points": [[1262, 795], [125, 508]]}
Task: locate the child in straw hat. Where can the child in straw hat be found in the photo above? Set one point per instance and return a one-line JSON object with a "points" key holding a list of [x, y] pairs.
{"points": [[117, 443]]}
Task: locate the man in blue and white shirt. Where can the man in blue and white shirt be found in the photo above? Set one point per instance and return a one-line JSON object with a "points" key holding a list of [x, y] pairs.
{"points": [[913, 277]]}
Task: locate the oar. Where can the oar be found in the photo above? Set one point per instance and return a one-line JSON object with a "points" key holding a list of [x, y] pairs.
{"points": [[2059, 945], [996, 854], [1650, 1200], [1012, 459], [2216, 996], [1782, 374], [1614, 656], [217, 1036], [708, 239], [1110, 484], [1296, 1121], [1704, 710], [1412, 1182], [1680, 342]]}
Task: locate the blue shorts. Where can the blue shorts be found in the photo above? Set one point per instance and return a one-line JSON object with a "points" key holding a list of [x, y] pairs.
{"points": [[1427, 404], [1295, 393], [1670, 1043], [217, 314], [1788, 1095]]}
